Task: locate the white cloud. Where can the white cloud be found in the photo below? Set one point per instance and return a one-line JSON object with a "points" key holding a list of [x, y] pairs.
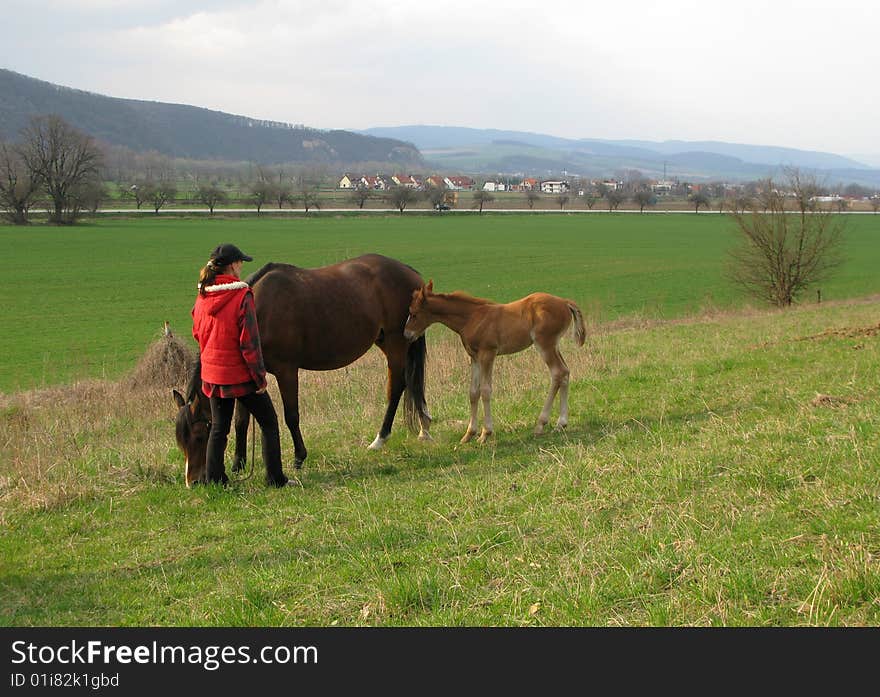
{"points": [[786, 73]]}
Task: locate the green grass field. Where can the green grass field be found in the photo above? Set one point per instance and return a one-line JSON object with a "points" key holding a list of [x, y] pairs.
{"points": [[719, 469], [86, 301]]}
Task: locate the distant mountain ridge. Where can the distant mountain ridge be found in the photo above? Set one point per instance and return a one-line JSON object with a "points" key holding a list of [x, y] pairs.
{"points": [[489, 150], [179, 130]]}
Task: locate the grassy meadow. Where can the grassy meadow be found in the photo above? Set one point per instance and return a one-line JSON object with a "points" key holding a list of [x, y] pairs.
{"points": [[86, 302], [720, 467]]}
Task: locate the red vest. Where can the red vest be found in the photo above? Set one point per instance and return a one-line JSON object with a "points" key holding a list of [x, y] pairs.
{"points": [[217, 327]]}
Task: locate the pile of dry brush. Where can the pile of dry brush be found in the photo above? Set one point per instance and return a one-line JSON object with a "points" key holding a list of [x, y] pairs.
{"points": [[167, 362]]}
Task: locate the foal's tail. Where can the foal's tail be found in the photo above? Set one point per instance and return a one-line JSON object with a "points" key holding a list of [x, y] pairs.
{"points": [[414, 404], [580, 333]]}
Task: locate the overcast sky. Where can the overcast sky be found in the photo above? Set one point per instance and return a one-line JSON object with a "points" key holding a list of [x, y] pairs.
{"points": [[769, 72]]}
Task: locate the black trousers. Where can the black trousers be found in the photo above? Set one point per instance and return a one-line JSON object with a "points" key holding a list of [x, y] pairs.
{"points": [[260, 405]]}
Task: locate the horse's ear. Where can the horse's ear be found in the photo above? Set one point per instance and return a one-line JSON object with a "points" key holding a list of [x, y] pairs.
{"points": [[178, 398], [430, 287]]}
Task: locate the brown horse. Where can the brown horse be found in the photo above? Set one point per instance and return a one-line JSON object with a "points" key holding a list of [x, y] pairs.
{"points": [[322, 319], [489, 329]]}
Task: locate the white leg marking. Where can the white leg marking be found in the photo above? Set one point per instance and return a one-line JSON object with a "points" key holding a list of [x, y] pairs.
{"points": [[378, 443]]}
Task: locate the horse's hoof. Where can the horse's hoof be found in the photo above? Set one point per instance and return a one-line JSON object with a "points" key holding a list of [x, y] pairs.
{"points": [[377, 444], [278, 482], [425, 436], [558, 428], [298, 464], [239, 465], [484, 437], [539, 430], [467, 437]]}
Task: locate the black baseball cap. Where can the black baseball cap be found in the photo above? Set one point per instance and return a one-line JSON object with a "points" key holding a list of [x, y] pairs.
{"points": [[225, 254]]}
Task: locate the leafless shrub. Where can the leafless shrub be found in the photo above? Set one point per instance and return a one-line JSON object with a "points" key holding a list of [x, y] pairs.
{"points": [[781, 253]]}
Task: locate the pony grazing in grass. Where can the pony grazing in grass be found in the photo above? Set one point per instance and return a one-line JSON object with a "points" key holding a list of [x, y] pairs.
{"points": [[489, 329]]}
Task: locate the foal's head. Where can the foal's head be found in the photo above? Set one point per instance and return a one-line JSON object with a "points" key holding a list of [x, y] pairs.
{"points": [[419, 316], [192, 425]]}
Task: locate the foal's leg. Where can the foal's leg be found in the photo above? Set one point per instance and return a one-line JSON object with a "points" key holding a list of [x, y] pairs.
{"points": [[558, 382], [487, 361], [474, 395], [562, 422], [288, 384], [395, 355]]}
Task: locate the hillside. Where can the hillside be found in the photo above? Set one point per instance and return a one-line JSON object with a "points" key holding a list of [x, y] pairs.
{"points": [[488, 150], [179, 130]]}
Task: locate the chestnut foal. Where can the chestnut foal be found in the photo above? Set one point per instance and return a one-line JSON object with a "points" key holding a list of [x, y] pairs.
{"points": [[489, 329]]}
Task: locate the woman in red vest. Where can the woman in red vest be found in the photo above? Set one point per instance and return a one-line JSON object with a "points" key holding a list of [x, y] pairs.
{"points": [[225, 325]]}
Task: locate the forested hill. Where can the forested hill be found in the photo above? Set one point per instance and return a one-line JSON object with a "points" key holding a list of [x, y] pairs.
{"points": [[179, 130]]}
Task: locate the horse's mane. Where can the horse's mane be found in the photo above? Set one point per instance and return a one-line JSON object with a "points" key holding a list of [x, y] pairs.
{"points": [[461, 296]]}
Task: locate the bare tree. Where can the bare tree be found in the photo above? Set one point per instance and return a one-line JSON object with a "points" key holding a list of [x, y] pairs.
{"points": [[781, 253], [768, 195], [261, 192], [614, 198], [158, 193], [61, 158], [18, 189], [532, 197], [401, 196], [308, 196], [90, 195], [481, 198], [562, 201], [360, 195], [875, 203], [283, 194], [435, 195], [136, 191], [740, 203], [644, 197], [804, 189], [590, 200], [211, 195], [699, 199]]}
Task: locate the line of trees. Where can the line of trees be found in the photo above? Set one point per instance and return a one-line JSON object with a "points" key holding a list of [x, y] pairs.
{"points": [[53, 159]]}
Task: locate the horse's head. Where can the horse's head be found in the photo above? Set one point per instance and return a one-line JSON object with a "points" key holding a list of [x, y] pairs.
{"points": [[419, 317], [192, 425]]}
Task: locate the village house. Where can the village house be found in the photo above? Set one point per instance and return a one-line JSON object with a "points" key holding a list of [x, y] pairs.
{"points": [[349, 181], [377, 183], [662, 187], [555, 187], [406, 180], [610, 184], [494, 186], [436, 181], [457, 183]]}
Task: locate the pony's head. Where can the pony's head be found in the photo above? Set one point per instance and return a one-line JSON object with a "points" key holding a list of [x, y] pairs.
{"points": [[192, 426], [419, 317]]}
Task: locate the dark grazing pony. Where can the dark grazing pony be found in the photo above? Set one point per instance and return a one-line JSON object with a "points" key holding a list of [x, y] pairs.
{"points": [[321, 319]]}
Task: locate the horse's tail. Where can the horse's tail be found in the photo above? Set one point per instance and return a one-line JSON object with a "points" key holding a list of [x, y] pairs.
{"points": [[414, 404], [580, 333]]}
